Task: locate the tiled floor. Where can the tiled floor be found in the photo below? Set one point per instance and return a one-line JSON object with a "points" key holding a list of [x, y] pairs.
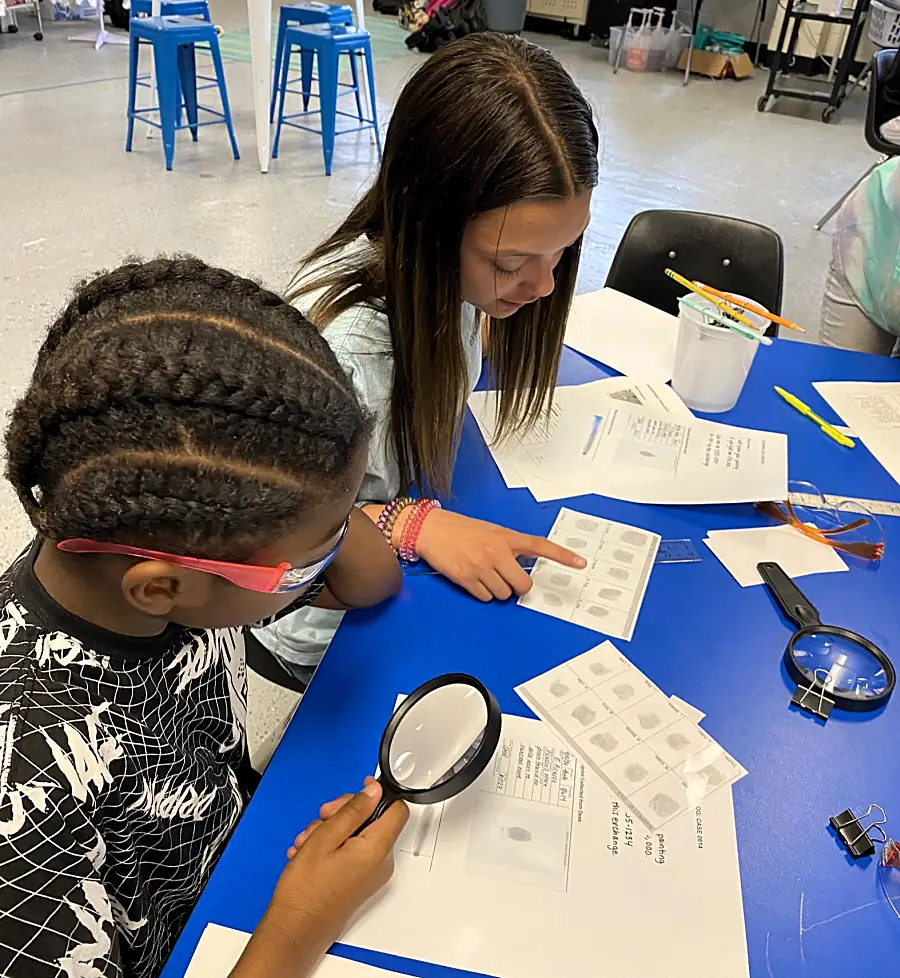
{"points": [[74, 202]]}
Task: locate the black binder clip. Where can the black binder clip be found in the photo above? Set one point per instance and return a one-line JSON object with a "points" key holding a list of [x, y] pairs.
{"points": [[854, 836], [814, 698]]}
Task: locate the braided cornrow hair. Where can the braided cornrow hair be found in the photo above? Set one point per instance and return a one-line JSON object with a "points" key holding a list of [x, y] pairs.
{"points": [[179, 407]]}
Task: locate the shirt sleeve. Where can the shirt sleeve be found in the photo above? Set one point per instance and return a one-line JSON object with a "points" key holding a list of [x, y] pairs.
{"points": [[56, 917]]}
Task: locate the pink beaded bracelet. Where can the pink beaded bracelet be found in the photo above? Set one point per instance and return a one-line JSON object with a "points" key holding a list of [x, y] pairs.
{"points": [[410, 536], [388, 517]]}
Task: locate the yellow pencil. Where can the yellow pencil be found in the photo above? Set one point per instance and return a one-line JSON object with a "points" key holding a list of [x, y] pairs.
{"points": [[722, 306], [750, 307]]}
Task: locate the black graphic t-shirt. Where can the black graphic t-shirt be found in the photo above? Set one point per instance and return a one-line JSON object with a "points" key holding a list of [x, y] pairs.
{"points": [[123, 770]]}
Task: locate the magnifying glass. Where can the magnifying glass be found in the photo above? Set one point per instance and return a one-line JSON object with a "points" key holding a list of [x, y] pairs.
{"points": [[832, 667], [440, 738]]}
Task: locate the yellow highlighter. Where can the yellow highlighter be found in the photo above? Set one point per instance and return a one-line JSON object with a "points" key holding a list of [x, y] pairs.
{"points": [[829, 430]]}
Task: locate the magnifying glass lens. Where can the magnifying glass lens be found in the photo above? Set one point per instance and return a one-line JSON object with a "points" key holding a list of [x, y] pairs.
{"points": [[851, 668], [438, 736]]}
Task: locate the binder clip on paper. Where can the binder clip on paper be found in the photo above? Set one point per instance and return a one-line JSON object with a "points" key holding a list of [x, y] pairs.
{"points": [[854, 836], [814, 697]]}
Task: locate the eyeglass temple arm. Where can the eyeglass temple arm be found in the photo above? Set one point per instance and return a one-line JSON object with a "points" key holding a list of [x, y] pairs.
{"points": [[792, 601]]}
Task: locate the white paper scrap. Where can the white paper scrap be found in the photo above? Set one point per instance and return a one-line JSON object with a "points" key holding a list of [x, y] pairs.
{"points": [[624, 728], [607, 595], [538, 846], [220, 947], [691, 712], [624, 333], [872, 410], [741, 550]]}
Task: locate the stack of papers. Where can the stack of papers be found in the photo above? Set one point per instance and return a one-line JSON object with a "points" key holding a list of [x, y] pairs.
{"points": [[873, 412], [638, 442], [623, 333], [741, 550]]}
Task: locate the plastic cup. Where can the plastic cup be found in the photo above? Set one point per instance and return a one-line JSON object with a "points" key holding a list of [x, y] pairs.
{"points": [[711, 361]]}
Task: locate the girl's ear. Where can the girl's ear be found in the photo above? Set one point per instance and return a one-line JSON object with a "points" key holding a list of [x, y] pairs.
{"points": [[157, 588]]}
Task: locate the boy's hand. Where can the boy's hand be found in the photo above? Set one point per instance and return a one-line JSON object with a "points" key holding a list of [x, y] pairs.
{"points": [[329, 876]]}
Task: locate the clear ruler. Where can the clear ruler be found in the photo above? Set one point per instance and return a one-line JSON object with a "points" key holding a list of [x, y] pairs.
{"points": [[854, 505]]}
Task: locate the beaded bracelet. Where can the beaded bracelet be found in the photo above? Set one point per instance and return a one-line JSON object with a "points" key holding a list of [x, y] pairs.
{"points": [[388, 517], [413, 527]]}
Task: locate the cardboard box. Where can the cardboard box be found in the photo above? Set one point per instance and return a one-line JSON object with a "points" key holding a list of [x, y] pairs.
{"points": [[718, 65]]}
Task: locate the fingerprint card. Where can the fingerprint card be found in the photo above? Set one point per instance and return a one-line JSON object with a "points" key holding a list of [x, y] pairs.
{"points": [[655, 759], [606, 596]]}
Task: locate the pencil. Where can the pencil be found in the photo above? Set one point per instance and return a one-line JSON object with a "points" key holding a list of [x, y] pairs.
{"points": [[750, 307], [703, 293]]}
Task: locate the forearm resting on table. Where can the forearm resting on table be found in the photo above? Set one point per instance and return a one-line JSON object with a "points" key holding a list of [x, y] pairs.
{"points": [[365, 570], [273, 952]]}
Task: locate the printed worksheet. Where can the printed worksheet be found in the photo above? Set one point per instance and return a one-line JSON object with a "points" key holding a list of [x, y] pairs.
{"points": [[625, 729], [574, 410], [537, 870], [647, 456], [872, 410], [607, 595]]}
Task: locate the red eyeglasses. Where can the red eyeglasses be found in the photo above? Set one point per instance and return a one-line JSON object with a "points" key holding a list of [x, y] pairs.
{"points": [[270, 580]]}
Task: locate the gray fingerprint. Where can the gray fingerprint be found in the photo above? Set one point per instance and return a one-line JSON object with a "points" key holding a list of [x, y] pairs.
{"points": [[663, 805], [558, 689], [635, 772], [677, 741], [713, 775], [619, 573], [584, 714], [649, 721], [623, 556], [624, 691], [598, 669], [597, 611], [605, 741], [609, 593], [634, 538], [575, 543], [560, 580], [587, 525], [554, 600], [518, 834]]}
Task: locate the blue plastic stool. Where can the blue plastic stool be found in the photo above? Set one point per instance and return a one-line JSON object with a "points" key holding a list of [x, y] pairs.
{"points": [[173, 43], [325, 43], [304, 14]]}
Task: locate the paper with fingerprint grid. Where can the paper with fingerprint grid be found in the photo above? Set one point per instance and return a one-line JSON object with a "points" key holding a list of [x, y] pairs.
{"points": [[606, 596], [625, 728]]}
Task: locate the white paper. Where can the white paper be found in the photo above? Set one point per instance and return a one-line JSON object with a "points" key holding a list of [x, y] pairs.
{"points": [[607, 595], [535, 870], [872, 410], [624, 333], [574, 408], [741, 550], [691, 712], [220, 947], [650, 457], [625, 729]]}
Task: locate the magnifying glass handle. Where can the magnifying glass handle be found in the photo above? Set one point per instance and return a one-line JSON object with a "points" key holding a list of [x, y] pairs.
{"points": [[387, 799], [793, 602]]}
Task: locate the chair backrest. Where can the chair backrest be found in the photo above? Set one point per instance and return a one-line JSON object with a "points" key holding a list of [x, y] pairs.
{"points": [[884, 100], [724, 252]]}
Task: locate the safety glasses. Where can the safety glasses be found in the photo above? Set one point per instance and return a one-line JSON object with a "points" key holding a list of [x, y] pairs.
{"points": [[269, 580], [854, 531]]}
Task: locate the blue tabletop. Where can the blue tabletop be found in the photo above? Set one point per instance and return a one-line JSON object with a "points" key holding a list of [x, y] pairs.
{"points": [[809, 909]]}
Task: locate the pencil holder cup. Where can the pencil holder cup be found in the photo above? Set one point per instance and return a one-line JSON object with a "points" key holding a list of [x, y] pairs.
{"points": [[711, 361]]}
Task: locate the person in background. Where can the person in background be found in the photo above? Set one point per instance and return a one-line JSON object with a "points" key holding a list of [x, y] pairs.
{"points": [[189, 452], [861, 307], [467, 244]]}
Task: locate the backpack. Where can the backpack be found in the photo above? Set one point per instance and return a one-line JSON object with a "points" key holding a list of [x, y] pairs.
{"points": [[447, 20]]}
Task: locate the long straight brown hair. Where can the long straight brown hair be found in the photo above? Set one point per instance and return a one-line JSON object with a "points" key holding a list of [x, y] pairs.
{"points": [[487, 121]]}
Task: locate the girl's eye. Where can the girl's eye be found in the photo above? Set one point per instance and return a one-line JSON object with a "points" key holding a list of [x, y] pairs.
{"points": [[500, 270]]}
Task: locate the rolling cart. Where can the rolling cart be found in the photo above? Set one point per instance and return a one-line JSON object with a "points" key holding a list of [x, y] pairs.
{"points": [[9, 20], [795, 14]]}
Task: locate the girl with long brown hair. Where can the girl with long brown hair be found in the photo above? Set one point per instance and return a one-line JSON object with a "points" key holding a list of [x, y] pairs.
{"points": [[467, 245]]}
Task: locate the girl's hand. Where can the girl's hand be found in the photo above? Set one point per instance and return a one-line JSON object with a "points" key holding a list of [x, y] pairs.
{"points": [[330, 875], [481, 557]]}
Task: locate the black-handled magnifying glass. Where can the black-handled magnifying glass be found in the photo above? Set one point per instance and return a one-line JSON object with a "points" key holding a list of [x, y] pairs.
{"points": [[440, 738], [832, 666]]}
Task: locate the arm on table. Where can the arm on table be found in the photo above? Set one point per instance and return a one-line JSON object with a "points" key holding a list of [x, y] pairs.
{"points": [[364, 572]]}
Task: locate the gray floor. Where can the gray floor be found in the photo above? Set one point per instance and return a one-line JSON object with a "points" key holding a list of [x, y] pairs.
{"points": [[74, 202]]}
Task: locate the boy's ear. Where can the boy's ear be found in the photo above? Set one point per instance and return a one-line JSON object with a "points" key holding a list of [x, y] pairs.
{"points": [[156, 587]]}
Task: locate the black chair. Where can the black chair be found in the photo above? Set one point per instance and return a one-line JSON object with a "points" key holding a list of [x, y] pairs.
{"points": [[884, 104], [724, 252]]}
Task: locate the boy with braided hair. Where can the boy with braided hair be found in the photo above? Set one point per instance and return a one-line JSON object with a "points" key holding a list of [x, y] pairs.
{"points": [[188, 451]]}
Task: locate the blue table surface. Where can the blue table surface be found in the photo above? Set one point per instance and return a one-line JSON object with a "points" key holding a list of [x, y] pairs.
{"points": [[809, 909]]}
